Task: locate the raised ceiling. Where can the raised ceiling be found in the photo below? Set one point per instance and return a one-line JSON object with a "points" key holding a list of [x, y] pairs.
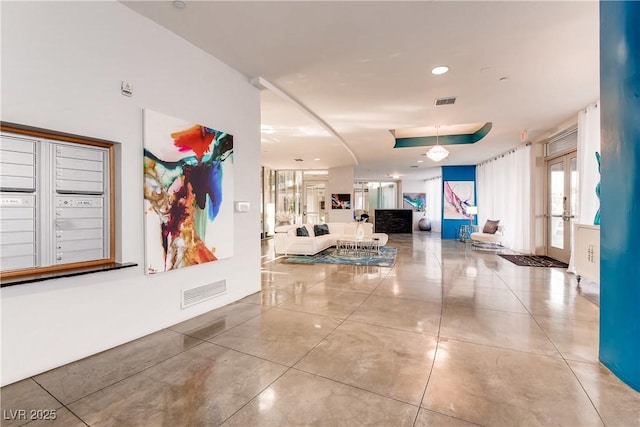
{"points": [[364, 68]]}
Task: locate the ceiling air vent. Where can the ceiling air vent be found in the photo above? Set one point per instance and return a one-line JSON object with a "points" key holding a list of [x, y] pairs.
{"points": [[446, 101]]}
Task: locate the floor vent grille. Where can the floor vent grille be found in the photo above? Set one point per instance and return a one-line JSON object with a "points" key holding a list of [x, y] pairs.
{"points": [[203, 293]]}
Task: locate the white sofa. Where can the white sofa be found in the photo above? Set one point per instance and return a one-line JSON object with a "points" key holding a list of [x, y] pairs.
{"points": [[287, 242], [480, 238]]}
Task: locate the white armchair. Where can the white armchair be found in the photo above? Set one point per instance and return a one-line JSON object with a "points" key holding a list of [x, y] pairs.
{"points": [[481, 238]]}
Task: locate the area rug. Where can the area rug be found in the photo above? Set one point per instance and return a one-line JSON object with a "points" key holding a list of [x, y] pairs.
{"points": [[533, 261], [386, 258]]}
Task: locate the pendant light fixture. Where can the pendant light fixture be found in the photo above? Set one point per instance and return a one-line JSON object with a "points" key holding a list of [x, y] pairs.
{"points": [[437, 152]]}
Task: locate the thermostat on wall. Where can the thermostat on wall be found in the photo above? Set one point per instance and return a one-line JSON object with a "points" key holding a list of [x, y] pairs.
{"points": [[126, 88], [242, 206]]}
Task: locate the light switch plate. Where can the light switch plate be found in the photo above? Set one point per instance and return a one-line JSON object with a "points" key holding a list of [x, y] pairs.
{"points": [[242, 206]]}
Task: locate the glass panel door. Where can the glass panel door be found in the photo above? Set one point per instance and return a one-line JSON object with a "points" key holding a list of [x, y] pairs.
{"points": [[562, 205], [314, 202], [268, 207], [288, 197]]}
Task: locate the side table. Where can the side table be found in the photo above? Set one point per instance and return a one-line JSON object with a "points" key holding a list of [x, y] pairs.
{"points": [[465, 232]]}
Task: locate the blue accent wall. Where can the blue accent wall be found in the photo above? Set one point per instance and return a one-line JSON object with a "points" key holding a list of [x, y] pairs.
{"points": [[620, 188], [451, 227]]}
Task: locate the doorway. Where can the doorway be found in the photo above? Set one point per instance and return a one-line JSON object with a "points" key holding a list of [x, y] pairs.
{"points": [[314, 207], [562, 203]]}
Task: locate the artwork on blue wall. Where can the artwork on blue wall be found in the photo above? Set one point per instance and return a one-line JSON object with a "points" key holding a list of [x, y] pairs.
{"points": [[415, 201], [458, 195]]}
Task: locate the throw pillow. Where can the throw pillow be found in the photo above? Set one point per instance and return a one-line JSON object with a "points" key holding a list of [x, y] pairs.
{"points": [[491, 226], [302, 232], [320, 229]]}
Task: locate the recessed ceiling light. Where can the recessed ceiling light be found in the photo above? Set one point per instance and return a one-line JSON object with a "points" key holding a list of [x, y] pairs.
{"points": [[316, 159], [179, 4], [440, 70], [421, 161]]}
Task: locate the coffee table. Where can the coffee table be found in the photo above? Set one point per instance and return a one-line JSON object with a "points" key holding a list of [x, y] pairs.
{"points": [[357, 247]]}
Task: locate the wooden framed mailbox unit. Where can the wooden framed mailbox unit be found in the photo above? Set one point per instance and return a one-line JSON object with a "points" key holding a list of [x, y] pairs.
{"points": [[56, 202]]}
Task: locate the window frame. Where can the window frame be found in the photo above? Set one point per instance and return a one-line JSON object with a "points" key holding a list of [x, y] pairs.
{"points": [[39, 133]]}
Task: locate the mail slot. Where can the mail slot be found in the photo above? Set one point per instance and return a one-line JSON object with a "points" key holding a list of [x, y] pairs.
{"points": [[17, 225], [79, 213], [79, 170], [17, 230], [17, 237], [17, 144], [79, 256], [17, 262], [79, 186], [18, 255], [94, 154], [78, 223], [17, 213], [85, 165], [79, 245], [17, 164], [77, 175], [91, 233]]}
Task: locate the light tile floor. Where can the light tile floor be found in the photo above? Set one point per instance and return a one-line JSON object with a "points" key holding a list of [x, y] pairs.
{"points": [[447, 337]]}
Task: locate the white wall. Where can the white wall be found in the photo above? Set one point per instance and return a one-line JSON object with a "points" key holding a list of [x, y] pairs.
{"points": [[340, 182], [412, 186], [62, 63]]}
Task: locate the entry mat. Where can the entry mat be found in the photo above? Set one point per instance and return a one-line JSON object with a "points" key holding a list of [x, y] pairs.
{"points": [[386, 258], [533, 261]]}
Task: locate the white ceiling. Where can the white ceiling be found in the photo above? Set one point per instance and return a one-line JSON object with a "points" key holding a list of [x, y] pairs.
{"points": [[363, 69]]}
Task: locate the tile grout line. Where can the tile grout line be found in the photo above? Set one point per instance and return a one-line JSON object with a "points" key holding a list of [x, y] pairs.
{"points": [[303, 356], [435, 353], [566, 363], [63, 405], [202, 341], [140, 371]]}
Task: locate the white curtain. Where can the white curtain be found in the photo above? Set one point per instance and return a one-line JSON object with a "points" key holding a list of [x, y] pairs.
{"points": [[588, 174], [504, 193], [588, 145], [433, 208]]}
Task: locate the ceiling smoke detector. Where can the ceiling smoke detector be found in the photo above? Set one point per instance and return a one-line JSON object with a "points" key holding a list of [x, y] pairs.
{"points": [[445, 101]]}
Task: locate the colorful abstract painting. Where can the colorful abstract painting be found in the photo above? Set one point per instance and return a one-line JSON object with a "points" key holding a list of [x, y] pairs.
{"points": [[188, 193], [415, 201], [458, 195]]}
